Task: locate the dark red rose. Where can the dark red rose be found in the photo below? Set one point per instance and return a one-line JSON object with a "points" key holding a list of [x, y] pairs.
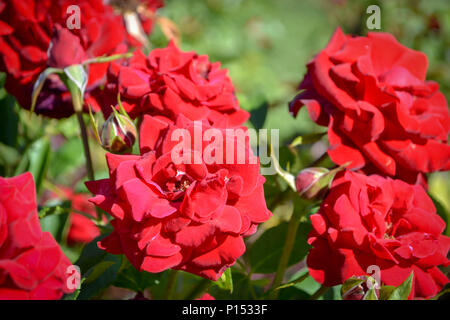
{"points": [[170, 214], [371, 220], [28, 27], [32, 265], [382, 115], [170, 82]]}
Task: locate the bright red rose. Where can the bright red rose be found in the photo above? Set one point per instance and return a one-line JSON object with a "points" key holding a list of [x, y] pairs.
{"points": [[381, 113], [32, 265], [371, 220], [27, 28], [170, 214], [170, 82]]}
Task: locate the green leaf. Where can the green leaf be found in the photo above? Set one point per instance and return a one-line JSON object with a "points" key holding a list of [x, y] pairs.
{"points": [[56, 224], [10, 120], [101, 277], [38, 155], [265, 253], [130, 278], [97, 270], [66, 159], [402, 291], [350, 284], [443, 213], [77, 75], [8, 155], [226, 281], [91, 255], [258, 115], [307, 139], [243, 288], [386, 291], [370, 295]]}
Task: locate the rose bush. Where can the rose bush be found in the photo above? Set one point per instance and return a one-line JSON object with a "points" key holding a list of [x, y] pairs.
{"points": [[171, 214], [28, 28], [371, 220], [170, 82], [32, 265], [381, 113]]}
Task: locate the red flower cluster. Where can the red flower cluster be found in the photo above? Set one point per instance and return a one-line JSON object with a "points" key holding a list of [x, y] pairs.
{"points": [[171, 214], [32, 265], [34, 36], [381, 113], [371, 220], [170, 82]]}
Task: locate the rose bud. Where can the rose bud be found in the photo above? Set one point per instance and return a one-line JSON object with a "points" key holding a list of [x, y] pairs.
{"points": [[118, 133], [312, 182], [356, 288]]}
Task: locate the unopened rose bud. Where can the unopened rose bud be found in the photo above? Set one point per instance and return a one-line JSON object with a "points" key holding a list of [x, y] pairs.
{"points": [[357, 288], [118, 134], [310, 182]]}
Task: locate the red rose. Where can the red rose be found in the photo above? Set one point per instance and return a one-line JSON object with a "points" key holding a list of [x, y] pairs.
{"points": [[170, 82], [381, 113], [26, 30], [371, 220], [169, 214], [32, 265]]}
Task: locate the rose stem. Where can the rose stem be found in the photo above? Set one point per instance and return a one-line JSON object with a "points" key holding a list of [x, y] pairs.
{"points": [[286, 254], [316, 295], [87, 153], [171, 284]]}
